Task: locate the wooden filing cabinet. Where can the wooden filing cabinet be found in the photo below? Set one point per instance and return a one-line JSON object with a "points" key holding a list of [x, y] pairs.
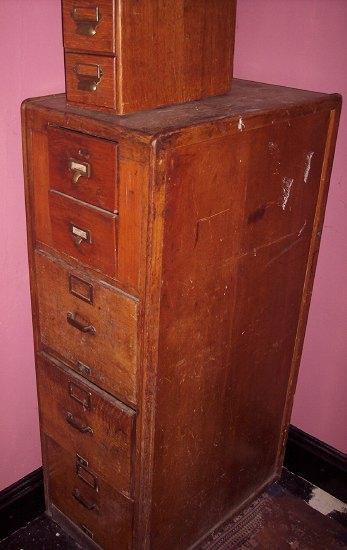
{"points": [[130, 55], [172, 257]]}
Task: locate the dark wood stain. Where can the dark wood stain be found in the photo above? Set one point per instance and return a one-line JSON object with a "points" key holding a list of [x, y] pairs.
{"points": [[257, 215]]}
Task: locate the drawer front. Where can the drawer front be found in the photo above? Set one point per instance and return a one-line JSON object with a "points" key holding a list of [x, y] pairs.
{"points": [[87, 421], [95, 507], [83, 167], [89, 26], [91, 80], [85, 233], [68, 304]]}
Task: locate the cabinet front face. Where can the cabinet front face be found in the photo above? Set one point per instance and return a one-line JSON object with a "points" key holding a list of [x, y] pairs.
{"points": [[89, 201], [96, 508], [91, 326], [89, 26], [87, 422], [84, 167]]}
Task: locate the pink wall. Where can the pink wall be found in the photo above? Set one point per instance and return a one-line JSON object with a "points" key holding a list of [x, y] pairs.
{"points": [[31, 62], [303, 43], [309, 35]]}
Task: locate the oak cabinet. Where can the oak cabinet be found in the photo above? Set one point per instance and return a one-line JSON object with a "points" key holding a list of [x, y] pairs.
{"points": [[172, 256]]}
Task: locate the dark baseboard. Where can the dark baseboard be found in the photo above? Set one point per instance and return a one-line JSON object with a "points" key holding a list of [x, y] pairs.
{"points": [[21, 502], [322, 465]]}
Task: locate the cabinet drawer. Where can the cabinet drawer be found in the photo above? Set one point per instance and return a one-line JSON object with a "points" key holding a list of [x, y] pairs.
{"points": [[91, 80], [89, 26], [87, 421], [85, 233], [100, 511], [107, 354], [83, 167]]}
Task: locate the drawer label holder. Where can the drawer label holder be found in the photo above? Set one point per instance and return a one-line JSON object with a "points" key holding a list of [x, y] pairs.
{"points": [[80, 235]]}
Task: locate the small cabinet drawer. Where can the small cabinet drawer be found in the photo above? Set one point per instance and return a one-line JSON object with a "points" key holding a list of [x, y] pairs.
{"points": [[83, 232], [89, 26], [91, 80], [69, 303], [87, 421], [84, 167], [98, 510]]}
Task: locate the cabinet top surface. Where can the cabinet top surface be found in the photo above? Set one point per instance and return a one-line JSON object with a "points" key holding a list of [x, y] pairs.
{"points": [[246, 99]]}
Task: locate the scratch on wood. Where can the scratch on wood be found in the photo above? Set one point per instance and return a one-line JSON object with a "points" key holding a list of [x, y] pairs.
{"points": [[308, 165], [287, 185], [274, 152], [302, 228], [241, 125], [284, 251], [207, 219]]}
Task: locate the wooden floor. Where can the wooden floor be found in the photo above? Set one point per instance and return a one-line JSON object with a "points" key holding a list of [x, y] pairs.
{"points": [[281, 518]]}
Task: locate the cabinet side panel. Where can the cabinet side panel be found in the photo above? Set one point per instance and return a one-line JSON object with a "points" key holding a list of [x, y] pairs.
{"points": [[238, 224], [181, 50]]}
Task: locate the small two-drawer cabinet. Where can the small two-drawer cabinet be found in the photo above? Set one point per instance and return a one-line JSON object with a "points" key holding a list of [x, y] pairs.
{"points": [[172, 256], [125, 55]]}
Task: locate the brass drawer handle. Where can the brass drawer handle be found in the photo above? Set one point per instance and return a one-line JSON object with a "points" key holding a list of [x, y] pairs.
{"points": [[79, 170], [83, 428], [86, 503], [88, 76], [86, 19], [80, 325]]}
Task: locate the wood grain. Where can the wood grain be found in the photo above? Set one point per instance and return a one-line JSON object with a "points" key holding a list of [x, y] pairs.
{"points": [[103, 41], [105, 94], [232, 283], [182, 50], [110, 354]]}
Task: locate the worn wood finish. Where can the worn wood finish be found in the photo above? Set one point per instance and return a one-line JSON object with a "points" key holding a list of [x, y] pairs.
{"points": [[73, 220], [108, 357], [166, 52], [109, 521], [221, 206], [71, 152], [68, 404]]}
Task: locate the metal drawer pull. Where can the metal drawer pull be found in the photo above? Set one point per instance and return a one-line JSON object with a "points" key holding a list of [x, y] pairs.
{"points": [[88, 76], [87, 476], [86, 19], [80, 325], [83, 428], [80, 395], [86, 503], [79, 170], [83, 369], [79, 235]]}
